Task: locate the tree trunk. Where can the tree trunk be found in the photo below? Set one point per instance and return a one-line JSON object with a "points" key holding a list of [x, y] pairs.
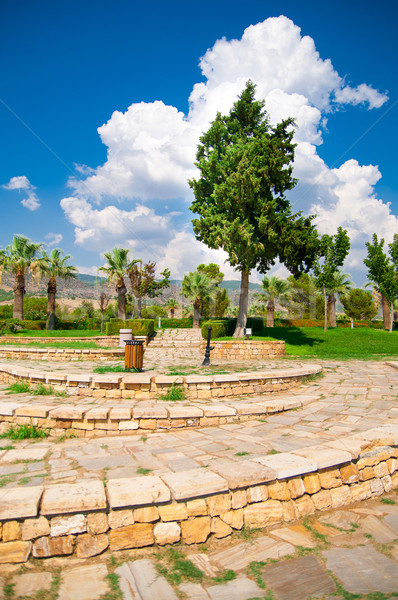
{"points": [[270, 313], [391, 317], [121, 300], [51, 291], [139, 306], [243, 302], [325, 323], [19, 292], [332, 310], [386, 313], [196, 316]]}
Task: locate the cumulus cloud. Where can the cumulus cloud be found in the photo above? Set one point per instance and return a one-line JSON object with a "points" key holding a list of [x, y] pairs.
{"points": [[151, 150], [53, 239], [19, 183]]}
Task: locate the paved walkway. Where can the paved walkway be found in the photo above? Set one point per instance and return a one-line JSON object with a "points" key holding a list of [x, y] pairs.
{"points": [[355, 548]]}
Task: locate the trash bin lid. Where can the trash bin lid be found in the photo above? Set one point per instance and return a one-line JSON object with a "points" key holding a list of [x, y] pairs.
{"points": [[134, 342]]}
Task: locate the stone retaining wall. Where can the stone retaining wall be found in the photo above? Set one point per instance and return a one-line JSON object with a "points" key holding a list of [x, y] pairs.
{"points": [[61, 354], [246, 349], [105, 340], [86, 518], [144, 387], [99, 420]]}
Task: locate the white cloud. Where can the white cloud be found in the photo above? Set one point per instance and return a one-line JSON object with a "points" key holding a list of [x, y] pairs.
{"points": [[53, 239], [151, 150], [19, 183]]}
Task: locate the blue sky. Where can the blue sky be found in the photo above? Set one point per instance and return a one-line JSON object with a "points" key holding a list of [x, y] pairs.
{"points": [[133, 70]]}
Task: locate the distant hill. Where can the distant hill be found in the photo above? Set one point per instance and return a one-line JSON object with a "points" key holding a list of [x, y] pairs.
{"points": [[89, 286]]}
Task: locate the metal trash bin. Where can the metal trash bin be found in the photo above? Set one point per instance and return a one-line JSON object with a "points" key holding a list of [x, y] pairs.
{"points": [[134, 354]]}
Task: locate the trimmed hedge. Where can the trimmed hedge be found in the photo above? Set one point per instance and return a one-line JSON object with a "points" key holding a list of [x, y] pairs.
{"points": [[185, 323], [319, 323], [219, 329], [138, 326]]}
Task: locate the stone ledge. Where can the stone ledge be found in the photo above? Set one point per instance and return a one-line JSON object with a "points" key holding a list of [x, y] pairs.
{"points": [[190, 505]]}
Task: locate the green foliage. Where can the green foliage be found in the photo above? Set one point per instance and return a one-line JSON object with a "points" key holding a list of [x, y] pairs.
{"points": [[8, 326], [174, 394], [198, 288], [176, 568], [6, 311], [246, 167], [19, 387], [226, 575], [304, 299], [35, 308], [153, 312], [34, 325], [114, 369], [24, 432], [219, 329], [185, 323], [138, 326], [359, 305], [143, 282]]}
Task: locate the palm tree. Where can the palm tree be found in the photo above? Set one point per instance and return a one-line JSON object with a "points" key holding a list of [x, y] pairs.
{"points": [[19, 257], [197, 287], [118, 265], [341, 285], [275, 290], [171, 305], [53, 266]]}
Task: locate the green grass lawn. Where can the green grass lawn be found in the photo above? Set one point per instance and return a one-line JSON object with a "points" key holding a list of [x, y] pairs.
{"points": [[334, 343], [73, 345], [57, 333]]}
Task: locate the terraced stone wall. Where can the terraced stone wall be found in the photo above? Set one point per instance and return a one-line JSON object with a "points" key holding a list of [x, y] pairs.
{"points": [[86, 518], [246, 349]]}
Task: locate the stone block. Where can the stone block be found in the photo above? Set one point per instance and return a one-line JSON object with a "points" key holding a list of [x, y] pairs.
{"points": [[290, 512], [11, 531], [73, 497], [324, 456], [218, 504], [296, 487], [311, 483], [262, 514], [196, 530], [173, 512], [381, 469], [233, 518], [258, 493], [97, 523], [167, 533], [360, 491], [349, 473], [329, 478], [366, 473], [15, 552], [131, 536], [91, 545], [20, 503], [147, 514], [238, 499], [68, 525], [136, 491], [195, 482], [239, 474], [287, 465], [322, 500], [120, 518], [34, 528], [219, 528], [45, 547], [278, 490], [197, 507], [305, 505], [341, 496]]}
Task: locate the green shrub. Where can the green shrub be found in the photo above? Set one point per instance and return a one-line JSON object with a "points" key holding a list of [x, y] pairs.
{"points": [[153, 312], [10, 326], [33, 325], [6, 311], [185, 323], [138, 326], [219, 329]]}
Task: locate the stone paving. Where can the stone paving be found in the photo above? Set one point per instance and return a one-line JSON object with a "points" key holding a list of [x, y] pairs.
{"points": [[355, 547]]}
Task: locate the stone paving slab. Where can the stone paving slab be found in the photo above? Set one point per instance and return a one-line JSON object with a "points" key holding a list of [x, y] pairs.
{"points": [[73, 497], [363, 570], [299, 579], [84, 583], [140, 580], [20, 502], [240, 588]]}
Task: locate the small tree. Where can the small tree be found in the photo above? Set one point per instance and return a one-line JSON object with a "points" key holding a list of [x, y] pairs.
{"points": [[274, 290], [340, 285], [53, 265], [19, 257], [197, 287], [103, 305], [305, 301], [245, 168], [220, 302], [143, 282], [383, 271], [358, 305], [172, 305], [115, 271], [332, 253]]}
